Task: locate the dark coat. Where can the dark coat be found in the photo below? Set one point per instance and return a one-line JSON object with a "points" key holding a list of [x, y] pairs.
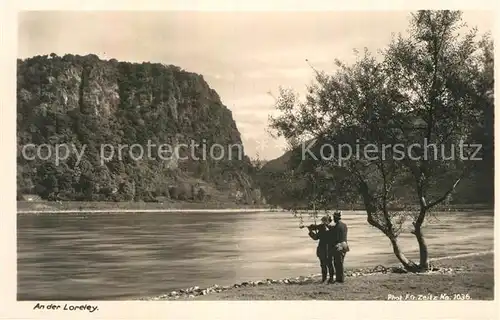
{"points": [[325, 245], [339, 232]]}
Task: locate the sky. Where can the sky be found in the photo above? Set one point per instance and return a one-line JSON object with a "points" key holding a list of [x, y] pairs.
{"points": [[242, 55]]}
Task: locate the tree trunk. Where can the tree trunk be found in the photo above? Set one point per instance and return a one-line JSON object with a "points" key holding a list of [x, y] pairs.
{"points": [[422, 246], [407, 264], [370, 210]]}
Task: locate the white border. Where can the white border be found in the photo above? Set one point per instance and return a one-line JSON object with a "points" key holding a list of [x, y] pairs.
{"points": [[10, 308]]}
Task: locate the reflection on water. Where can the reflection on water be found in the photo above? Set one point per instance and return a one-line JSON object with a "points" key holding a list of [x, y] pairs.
{"points": [[123, 256]]}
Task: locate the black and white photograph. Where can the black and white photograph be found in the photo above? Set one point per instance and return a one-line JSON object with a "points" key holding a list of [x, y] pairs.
{"points": [[253, 156]]}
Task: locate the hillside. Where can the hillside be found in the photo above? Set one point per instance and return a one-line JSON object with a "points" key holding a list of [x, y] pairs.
{"points": [[282, 190], [86, 102]]}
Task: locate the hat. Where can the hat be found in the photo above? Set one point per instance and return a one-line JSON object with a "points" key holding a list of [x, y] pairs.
{"points": [[337, 214]]}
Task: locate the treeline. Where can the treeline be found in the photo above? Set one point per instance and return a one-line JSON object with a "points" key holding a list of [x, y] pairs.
{"points": [[283, 189]]}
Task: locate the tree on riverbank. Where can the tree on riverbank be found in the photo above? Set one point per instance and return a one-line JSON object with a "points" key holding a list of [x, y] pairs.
{"points": [[407, 117]]}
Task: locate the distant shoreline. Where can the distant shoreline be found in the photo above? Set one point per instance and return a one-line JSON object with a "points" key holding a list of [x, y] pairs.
{"points": [[37, 207], [140, 211], [70, 207]]}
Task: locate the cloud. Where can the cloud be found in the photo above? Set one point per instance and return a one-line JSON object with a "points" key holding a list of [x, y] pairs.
{"points": [[259, 101], [228, 76], [264, 147], [251, 124], [279, 73]]}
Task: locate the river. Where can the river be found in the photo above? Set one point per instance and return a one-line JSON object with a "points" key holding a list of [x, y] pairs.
{"points": [[125, 255]]}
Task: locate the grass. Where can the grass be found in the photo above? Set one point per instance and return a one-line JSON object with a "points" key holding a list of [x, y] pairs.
{"points": [[477, 280]]}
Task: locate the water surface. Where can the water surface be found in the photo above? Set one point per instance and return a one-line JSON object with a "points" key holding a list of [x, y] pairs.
{"points": [[124, 256]]}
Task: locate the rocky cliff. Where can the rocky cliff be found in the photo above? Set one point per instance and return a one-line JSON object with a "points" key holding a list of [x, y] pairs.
{"points": [[86, 108]]}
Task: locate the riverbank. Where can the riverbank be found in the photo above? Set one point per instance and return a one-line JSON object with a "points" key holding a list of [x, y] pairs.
{"points": [[33, 207], [465, 277]]}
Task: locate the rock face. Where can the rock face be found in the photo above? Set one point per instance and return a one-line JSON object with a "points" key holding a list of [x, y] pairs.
{"points": [[192, 292], [84, 102]]}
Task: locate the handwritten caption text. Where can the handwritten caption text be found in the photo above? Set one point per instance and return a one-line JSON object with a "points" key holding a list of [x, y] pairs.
{"points": [[66, 307]]}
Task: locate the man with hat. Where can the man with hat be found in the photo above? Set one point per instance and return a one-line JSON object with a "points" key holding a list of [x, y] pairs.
{"points": [[341, 247]]}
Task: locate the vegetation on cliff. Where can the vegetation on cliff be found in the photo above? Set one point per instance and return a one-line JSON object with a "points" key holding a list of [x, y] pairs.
{"points": [[86, 103]]}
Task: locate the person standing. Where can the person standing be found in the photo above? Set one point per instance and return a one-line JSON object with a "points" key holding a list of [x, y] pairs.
{"points": [[341, 247], [325, 249]]}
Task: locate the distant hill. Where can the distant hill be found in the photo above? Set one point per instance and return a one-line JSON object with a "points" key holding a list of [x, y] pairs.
{"points": [[86, 101], [281, 190]]}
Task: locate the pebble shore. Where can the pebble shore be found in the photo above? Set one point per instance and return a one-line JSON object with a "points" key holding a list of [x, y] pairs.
{"points": [[197, 291]]}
